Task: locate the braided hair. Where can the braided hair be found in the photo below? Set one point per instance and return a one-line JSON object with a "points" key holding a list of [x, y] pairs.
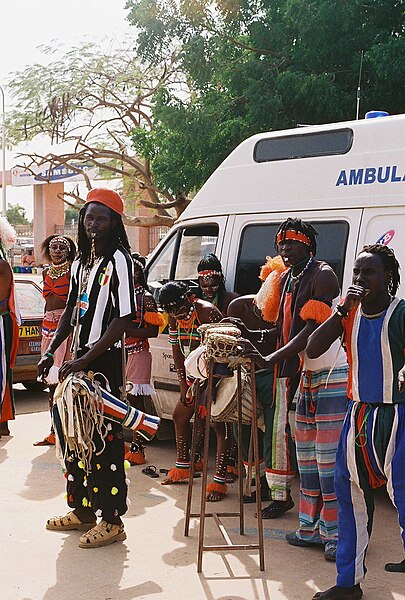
{"points": [[117, 239], [298, 226], [173, 292], [389, 262]]}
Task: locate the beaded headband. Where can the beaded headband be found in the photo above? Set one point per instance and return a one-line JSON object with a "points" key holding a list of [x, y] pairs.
{"points": [[208, 273], [60, 240], [294, 236], [174, 302]]}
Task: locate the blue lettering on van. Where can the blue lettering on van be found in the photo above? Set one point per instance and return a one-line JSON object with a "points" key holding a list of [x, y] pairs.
{"points": [[369, 175]]}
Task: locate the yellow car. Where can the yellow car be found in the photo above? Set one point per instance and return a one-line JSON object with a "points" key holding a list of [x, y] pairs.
{"points": [[31, 305]]}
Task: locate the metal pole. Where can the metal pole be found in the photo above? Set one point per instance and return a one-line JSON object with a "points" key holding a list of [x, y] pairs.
{"points": [[3, 156]]}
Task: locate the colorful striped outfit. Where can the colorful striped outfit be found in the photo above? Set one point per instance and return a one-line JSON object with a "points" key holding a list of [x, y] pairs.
{"points": [[319, 416], [371, 449], [296, 308]]}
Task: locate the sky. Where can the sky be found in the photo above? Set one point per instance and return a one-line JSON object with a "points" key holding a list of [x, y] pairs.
{"points": [[28, 24]]}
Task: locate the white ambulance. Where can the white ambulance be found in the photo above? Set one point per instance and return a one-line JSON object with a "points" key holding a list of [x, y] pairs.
{"points": [[347, 179]]}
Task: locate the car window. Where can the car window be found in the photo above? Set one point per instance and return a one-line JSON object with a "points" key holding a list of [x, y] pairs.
{"points": [[30, 300], [257, 242], [195, 242]]}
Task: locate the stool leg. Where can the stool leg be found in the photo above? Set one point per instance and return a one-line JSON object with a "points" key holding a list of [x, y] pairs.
{"points": [[205, 467], [256, 459], [240, 462], [192, 464]]}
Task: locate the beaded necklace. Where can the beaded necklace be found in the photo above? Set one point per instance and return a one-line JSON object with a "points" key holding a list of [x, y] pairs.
{"points": [[376, 315], [140, 290], [56, 271], [295, 278], [188, 326]]}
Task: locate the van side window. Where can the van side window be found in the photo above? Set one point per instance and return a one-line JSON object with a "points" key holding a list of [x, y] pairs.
{"points": [[257, 242], [195, 242], [324, 143]]}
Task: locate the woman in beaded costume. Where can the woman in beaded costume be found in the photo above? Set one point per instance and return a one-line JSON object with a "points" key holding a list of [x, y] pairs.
{"points": [[59, 252], [139, 362], [211, 282], [186, 314]]}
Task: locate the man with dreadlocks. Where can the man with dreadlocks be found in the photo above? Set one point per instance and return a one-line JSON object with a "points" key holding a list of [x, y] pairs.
{"points": [[371, 453], [8, 328], [303, 296], [101, 304]]}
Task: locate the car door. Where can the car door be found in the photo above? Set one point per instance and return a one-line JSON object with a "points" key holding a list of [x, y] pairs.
{"points": [[177, 259]]}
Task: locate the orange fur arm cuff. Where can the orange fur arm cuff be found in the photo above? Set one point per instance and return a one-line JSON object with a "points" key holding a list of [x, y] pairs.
{"points": [[154, 318], [315, 310]]}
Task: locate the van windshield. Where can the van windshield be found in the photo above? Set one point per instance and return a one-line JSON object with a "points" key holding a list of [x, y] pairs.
{"points": [[181, 254]]}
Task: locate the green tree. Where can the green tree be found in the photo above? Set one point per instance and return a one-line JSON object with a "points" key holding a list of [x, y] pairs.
{"points": [[16, 214], [258, 65]]}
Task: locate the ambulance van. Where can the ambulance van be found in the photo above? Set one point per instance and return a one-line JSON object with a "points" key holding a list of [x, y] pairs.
{"points": [[347, 179]]}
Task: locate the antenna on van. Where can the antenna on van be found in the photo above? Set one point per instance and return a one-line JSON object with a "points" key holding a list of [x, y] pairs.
{"points": [[359, 86]]}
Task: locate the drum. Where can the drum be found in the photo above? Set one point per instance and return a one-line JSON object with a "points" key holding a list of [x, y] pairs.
{"points": [[221, 342], [225, 406], [82, 405]]}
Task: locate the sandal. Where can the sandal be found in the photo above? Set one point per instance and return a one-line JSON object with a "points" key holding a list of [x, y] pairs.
{"points": [[135, 454], [103, 534], [150, 471], [216, 491], [48, 441], [67, 523]]}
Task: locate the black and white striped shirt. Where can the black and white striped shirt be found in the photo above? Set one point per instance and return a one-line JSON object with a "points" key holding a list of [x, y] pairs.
{"points": [[109, 294]]}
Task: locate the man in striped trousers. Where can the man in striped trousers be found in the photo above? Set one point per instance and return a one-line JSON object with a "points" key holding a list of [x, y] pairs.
{"points": [[371, 450], [304, 294]]}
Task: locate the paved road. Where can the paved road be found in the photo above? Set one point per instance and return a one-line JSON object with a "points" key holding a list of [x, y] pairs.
{"points": [[156, 561]]}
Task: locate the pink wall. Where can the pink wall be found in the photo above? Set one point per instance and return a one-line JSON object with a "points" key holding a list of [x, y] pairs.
{"points": [[49, 212]]}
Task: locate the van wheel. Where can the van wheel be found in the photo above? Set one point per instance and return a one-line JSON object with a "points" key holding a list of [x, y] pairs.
{"points": [[34, 386]]}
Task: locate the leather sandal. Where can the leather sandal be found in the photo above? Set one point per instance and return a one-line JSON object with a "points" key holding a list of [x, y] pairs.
{"points": [[67, 523], [103, 534], [49, 440]]}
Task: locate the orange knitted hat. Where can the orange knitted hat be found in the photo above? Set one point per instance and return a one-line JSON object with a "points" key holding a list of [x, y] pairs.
{"points": [[107, 197]]}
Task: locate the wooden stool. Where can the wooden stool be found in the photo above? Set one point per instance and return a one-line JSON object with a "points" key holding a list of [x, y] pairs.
{"points": [[218, 515]]}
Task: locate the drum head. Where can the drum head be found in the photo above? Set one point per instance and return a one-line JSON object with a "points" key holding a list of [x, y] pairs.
{"points": [[226, 392]]}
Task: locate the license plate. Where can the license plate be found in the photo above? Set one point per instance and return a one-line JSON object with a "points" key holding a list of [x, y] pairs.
{"points": [[29, 331]]}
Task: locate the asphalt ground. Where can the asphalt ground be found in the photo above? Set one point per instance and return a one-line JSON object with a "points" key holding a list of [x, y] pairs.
{"points": [[156, 561]]}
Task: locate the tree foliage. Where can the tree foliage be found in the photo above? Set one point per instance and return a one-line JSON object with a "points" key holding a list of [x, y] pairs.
{"points": [[16, 214], [89, 101], [258, 65]]}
